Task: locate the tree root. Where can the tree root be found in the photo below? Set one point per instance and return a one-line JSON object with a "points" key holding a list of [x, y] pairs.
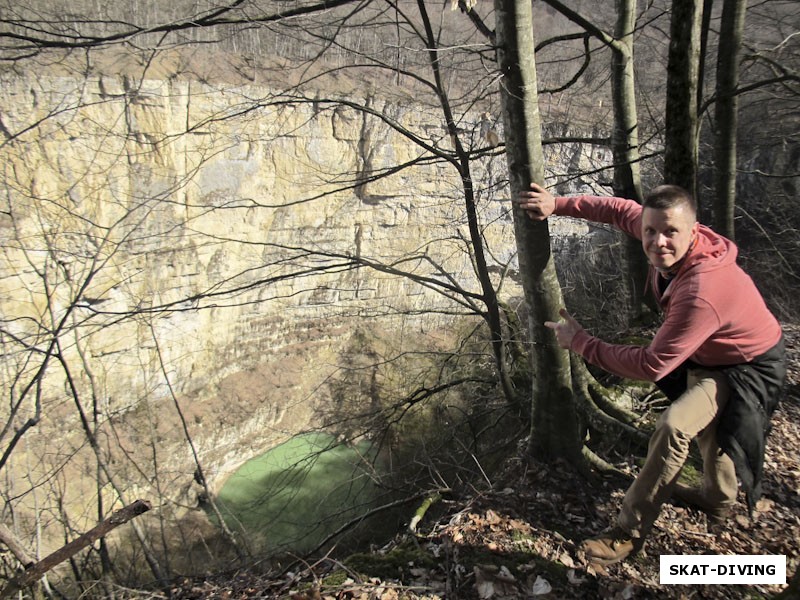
{"points": [[605, 399], [597, 418]]}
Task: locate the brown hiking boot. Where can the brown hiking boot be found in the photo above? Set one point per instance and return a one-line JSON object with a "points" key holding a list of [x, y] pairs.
{"points": [[693, 498], [611, 546]]}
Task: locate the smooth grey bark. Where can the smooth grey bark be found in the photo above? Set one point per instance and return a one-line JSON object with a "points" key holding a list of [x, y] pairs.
{"points": [[627, 174], [627, 181], [726, 114], [554, 423], [625, 142]]}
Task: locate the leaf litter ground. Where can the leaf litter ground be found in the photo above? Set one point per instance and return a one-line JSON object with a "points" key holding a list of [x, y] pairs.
{"points": [[521, 538]]}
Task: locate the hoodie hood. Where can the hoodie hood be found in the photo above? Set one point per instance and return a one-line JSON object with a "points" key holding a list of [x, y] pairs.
{"points": [[712, 251]]}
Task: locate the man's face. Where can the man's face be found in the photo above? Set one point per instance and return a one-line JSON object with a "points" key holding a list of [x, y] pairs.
{"points": [[667, 234]]}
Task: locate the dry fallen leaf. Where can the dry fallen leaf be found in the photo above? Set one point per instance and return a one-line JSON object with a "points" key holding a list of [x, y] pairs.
{"points": [[566, 560], [390, 594], [483, 583], [505, 575], [764, 505], [541, 586], [491, 581], [574, 578], [742, 521]]}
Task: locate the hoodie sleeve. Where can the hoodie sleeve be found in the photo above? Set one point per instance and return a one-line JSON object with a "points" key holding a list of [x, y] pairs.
{"points": [[690, 323], [623, 214]]}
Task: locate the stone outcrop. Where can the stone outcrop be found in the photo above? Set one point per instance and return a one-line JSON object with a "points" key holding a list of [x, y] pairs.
{"points": [[194, 245]]}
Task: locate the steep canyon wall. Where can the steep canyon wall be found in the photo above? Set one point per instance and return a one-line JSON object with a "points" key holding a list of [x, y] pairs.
{"points": [[179, 256]]}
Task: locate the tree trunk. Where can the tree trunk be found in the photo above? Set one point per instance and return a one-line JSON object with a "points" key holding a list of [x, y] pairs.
{"points": [[680, 145], [625, 141], [625, 137], [627, 176], [554, 428], [726, 118]]}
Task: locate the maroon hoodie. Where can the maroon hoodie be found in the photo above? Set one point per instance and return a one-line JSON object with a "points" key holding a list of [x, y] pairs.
{"points": [[713, 312]]}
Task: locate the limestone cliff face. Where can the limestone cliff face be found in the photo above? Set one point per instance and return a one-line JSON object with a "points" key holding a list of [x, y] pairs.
{"points": [[197, 242]]}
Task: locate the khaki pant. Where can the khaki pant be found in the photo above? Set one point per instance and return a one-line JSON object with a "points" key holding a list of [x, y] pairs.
{"points": [[693, 415]]}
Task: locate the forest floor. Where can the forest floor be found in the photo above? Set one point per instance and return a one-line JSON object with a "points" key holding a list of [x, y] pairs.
{"points": [[520, 539]]}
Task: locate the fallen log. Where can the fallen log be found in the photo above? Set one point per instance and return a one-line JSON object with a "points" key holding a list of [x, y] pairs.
{"points": [[36, 571]]}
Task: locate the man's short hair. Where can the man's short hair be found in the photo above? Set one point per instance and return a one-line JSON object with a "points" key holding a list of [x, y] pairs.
{"points": [[669, 196]]}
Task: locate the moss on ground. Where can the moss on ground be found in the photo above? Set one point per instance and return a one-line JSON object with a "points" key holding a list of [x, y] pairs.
{"points": [[393, 564]]}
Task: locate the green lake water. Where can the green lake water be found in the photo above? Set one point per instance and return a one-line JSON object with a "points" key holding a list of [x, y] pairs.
{"points": [[296, 494]]}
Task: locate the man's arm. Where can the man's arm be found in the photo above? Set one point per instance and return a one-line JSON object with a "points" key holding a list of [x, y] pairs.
{"points": [[688, 325], [623, 214]]}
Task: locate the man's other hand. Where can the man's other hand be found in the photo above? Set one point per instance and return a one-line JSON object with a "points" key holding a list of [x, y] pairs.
{"points": [[565, 330]]}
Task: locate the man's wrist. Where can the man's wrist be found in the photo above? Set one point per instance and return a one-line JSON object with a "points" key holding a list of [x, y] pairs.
{"points": [[578, 341]]}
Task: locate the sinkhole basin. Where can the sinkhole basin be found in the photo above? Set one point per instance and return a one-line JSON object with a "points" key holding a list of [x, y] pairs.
{"points": [[295, 496]]}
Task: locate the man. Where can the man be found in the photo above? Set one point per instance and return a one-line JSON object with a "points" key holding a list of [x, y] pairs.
{"points": [[718, 355]]}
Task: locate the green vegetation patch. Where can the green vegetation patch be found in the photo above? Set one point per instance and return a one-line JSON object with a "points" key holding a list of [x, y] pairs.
{"points": [[393, 564], [298, 493]]}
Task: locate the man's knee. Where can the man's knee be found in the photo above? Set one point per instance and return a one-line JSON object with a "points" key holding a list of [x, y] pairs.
{"points": [[671, 430]]}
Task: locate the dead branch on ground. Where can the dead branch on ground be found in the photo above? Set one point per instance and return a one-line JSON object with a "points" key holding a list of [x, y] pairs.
{"points": [[37, 570]]}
